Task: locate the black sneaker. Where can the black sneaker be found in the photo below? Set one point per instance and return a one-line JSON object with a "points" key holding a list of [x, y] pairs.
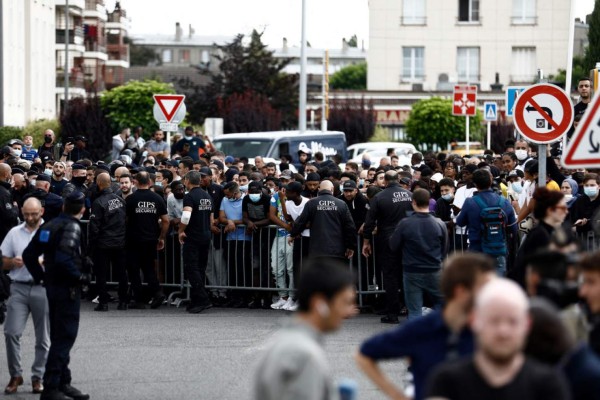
{"points": [[157, 301], [101, 307], [390, 319], [74, 393], [123, 306], [137, 305], [53, 394], [199, 309]]}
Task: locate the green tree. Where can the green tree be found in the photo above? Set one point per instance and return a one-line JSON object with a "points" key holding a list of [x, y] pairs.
{"points": [[352, 77], [353, 41], [245, 68], [431, 123], [592, 54], [140, 55], [579, 71], [131, 104]]}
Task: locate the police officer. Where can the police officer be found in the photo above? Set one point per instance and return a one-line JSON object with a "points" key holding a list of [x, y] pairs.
{"points": [[8, 211], [52, 203], [107, 240], [387, 209], [194, 235], [64, 271], [332, 231]]}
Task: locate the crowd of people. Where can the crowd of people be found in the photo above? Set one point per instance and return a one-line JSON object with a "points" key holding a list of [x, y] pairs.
{"points": [[417, 237]]}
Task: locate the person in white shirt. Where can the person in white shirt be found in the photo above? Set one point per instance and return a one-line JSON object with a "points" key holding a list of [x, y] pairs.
{"points": [[118, 143], [294, 206], [463, 193]]}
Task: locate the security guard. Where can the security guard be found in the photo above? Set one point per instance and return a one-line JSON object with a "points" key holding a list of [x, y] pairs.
{"points": [[332, 230], [387, 209], [194, 236], [64, 271]]}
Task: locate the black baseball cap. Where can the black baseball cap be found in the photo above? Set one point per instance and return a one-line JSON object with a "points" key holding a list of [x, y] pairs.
{"points": [[349, 185], [205, 171], [254, 185], [81, 137], [313, 177]]}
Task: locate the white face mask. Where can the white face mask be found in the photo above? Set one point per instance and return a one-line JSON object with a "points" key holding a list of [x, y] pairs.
{"points": [[521, 154], [17, 153], [517, 187], [568, 197], [48, 171], [32, 182]]}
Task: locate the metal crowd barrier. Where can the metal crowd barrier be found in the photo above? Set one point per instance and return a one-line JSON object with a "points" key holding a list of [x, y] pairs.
{"points": [[256, 263]]}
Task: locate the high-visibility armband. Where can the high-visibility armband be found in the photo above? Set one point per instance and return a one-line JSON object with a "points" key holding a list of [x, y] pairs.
{"points": [[185, 217]]}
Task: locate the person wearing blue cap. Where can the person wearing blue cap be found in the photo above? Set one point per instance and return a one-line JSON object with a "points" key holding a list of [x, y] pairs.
{"points": [[65, 270]]}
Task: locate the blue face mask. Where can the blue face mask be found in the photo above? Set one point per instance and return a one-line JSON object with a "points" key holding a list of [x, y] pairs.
{"points": [[517, 187], [448, 196], [254, 197], [233, 199], [590, 191], [158, 183], [244, 188], [361, 183]]}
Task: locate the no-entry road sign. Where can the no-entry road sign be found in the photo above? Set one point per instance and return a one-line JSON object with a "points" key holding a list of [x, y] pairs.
{"points": [[543, 113], [464, 100], [583, 150]]}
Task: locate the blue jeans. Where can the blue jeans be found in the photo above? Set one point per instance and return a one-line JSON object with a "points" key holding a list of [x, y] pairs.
{"points": [[415, 285]]}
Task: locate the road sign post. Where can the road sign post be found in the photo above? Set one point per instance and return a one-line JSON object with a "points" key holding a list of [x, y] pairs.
{"points": [[543, 113], [490, 113], [464, 103], [169, 111], [583, 150]]}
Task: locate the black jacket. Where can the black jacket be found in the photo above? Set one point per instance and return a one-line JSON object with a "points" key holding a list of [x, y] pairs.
{"points": [[358, 208], [387, 208], [8, 211], [107, 221], [51, 202], [332, 230]]}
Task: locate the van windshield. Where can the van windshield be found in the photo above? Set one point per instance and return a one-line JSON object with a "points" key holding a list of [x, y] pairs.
{"points": [[243, 147]]}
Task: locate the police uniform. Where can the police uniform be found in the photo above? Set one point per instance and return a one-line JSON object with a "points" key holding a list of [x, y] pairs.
{"points": [[60, 242], [196, 246], [387, 208], [8, 212]]}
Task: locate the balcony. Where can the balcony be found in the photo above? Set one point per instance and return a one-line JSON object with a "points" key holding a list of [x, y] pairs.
{"points": [[75, 36], [95, 9], [118, 55], [76, 80]]}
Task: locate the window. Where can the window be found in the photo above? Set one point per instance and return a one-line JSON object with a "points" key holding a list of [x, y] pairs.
{"points": [[413, 69], [467, 64], [524, 12], [468, 10], [413, 12], [167, 56], [184, 56], [523, 65]]}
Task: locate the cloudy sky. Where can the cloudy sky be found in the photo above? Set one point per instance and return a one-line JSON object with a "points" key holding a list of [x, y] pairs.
{"points": [[328, 20]]}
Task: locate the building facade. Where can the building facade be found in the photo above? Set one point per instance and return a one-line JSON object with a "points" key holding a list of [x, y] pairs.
{"points": [[431, 45], [27, 59]]}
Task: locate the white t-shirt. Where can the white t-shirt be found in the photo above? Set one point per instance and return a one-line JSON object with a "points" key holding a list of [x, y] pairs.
{"points": [[461, 195], [295, 210]]}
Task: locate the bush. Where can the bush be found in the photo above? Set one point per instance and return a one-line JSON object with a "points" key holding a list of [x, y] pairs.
{"points": [[10, 132]]}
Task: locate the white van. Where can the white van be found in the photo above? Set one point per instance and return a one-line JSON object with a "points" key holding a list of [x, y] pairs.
{"points": [[401, 149]]}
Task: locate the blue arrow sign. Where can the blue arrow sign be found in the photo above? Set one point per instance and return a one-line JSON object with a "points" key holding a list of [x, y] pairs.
{"points": [[490, 111], [512, 92]]}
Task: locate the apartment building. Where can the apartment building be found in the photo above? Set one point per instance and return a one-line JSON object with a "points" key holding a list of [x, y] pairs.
{"points": [[430, 45]]}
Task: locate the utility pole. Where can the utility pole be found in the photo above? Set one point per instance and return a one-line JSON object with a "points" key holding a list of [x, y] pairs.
{"points": [[302, 102], [66, 102]]}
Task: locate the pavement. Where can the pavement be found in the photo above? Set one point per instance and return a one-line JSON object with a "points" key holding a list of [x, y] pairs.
{"points": [[170, 354]]}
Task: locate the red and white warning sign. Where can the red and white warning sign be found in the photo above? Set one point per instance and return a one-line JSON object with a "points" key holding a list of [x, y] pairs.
{"points": [[543, 113], [583, 150], [169, 110], [464, 100]]}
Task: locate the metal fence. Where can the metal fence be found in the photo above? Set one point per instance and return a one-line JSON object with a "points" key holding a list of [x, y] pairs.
{"points": [[263, 262]]}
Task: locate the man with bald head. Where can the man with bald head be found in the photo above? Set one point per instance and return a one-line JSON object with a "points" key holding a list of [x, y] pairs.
{"points": [[387, 209], [107, 241], [332, 229], [8, 210], [25, 297], [498, 369]]}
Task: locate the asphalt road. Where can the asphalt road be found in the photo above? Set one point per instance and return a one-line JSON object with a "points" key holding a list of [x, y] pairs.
{"points": [[169, 354]]}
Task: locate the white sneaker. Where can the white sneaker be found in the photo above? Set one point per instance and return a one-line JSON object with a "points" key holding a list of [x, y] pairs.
{"points": [[96, 300], [279, 304], [288, 304], [293, 306]]}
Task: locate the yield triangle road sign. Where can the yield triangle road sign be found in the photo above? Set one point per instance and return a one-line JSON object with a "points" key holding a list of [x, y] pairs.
{"points": [[169, 104], [583, 150]]}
